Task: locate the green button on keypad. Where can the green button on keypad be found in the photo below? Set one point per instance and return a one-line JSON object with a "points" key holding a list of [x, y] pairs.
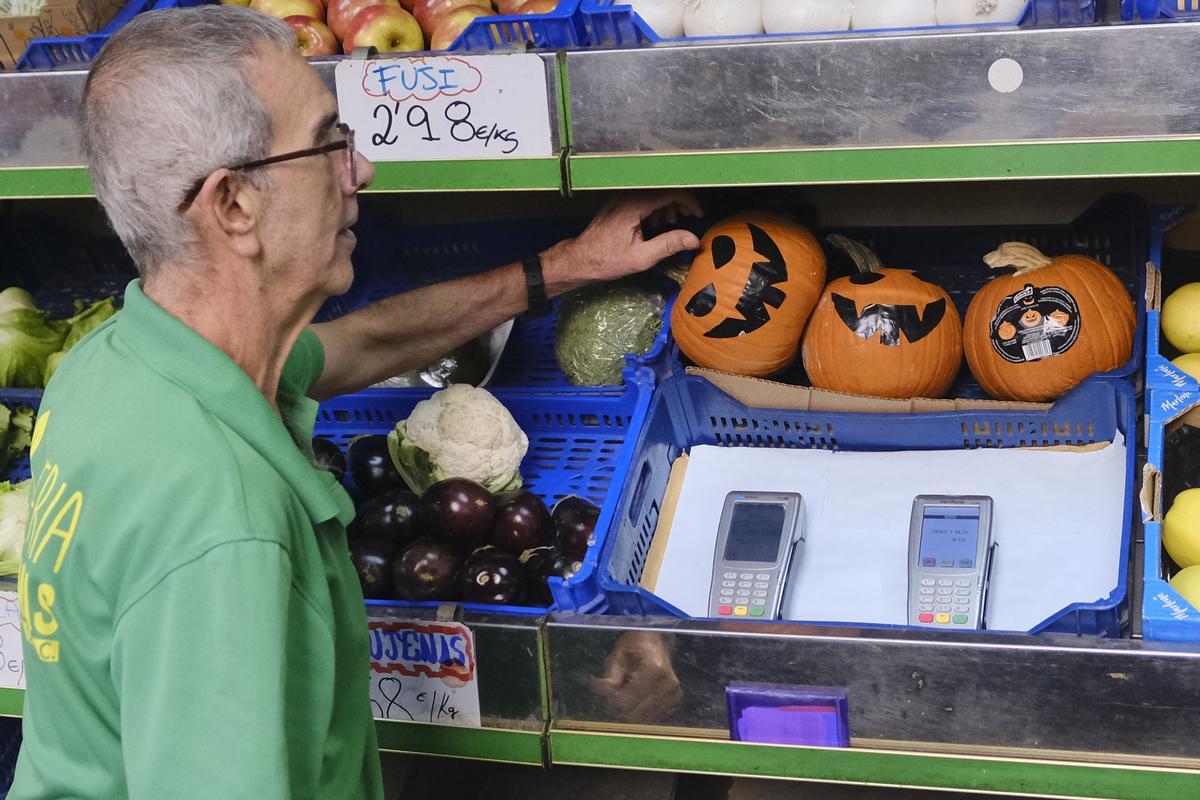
{"points": [[960, 619], [757, 611]]}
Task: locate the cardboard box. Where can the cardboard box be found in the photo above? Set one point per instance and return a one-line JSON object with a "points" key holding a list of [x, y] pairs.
{"points": [[56, 18]]}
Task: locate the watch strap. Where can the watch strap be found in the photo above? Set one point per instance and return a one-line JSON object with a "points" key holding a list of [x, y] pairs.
{"points": [[535, 286]]}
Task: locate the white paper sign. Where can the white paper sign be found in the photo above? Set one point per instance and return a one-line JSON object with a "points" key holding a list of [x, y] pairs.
{"points": [[424, 672], [12, 658], [439, 108]]}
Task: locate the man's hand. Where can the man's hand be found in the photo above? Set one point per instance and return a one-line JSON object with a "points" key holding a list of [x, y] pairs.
{"points": [[612, 246], [639, 683]]}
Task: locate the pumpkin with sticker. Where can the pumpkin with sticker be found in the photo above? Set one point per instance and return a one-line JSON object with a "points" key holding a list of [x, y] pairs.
{"points": [[1035, 333], [748, 295], [882, 332]]}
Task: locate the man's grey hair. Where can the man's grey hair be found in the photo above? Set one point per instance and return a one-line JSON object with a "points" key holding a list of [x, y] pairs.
{"points": [[169, 101]]}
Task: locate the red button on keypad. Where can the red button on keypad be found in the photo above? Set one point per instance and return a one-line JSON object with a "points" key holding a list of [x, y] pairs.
{"points": [[726, 611], [925, 618]]}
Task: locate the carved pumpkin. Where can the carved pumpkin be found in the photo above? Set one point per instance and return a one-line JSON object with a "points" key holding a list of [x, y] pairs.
{"points": [[882, 332], [748, 294], [1036, 333]]}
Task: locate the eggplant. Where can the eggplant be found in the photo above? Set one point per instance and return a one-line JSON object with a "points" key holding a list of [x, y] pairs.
{"points": [[574, 526], [391, 516], [492, 576], [328, 456], [458, 512], [372, 559], [521, 523], [371, 466], [426, 570], [542, 563]]}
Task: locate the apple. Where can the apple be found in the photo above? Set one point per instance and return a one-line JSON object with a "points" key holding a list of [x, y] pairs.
{"points": [[537, 6], [312, 36], [407, 5], [387, 28], [342, 11], [451, 24], [290, 8], [235, 2], [508, 7], [427, 11]]}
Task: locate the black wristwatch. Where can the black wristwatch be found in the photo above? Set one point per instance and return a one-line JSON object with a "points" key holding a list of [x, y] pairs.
{"points": [[535, 285]]}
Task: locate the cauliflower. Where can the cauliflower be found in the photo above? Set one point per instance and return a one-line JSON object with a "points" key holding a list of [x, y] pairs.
{"points": [[460, 432]]}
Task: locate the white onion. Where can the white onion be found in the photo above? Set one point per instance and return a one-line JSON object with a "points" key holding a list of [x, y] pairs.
{"points": [[806, 16], [665, 17], [975, 12], [722, 17], [874, 14]]}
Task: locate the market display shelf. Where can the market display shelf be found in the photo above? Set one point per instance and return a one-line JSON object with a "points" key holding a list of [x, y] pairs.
{"points": [[946, 106], [864, 766], [993, 105], [41, 157]]}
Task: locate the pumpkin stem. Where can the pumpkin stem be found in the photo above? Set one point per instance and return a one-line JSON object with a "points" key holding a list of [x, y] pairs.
{"points": [[1018, 255], [864, 257]]}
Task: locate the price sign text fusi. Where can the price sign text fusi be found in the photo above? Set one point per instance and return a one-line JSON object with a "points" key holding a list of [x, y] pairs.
{"points": [[446, 107]]}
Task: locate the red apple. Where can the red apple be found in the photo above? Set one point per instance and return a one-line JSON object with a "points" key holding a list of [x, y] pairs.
{"points": [[537, 6], [407, 5], [451, 24], [342, 11], [427, 11], [313, 36], [290, 8], [387, 28]]}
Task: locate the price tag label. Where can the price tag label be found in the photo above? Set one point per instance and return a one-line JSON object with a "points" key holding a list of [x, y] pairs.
{"points": [[12, 657], [445, 108], [424, 672]]}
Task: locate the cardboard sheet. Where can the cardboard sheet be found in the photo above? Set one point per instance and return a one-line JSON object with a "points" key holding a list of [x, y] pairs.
{"points": [[1058, 522]]}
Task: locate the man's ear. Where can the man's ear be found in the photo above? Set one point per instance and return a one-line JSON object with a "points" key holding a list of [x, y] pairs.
{"points": [[231, 208]]}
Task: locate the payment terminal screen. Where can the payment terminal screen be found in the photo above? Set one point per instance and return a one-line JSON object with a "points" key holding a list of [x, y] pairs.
{"points": [[949, 537], [754, 532]]}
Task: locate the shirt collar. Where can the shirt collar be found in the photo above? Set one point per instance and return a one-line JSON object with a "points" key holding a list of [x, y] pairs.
{"points": [[186, 358]]}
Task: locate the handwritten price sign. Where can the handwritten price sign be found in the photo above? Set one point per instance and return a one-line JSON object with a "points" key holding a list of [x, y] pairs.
{"points": [[424, 672], [438, 108], [12, 660]]}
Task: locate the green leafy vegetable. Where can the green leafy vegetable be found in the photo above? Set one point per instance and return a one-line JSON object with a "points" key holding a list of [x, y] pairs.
{"points": [[27, 339], [15, 297], [14, 508], [599, 325], [84, 322]]}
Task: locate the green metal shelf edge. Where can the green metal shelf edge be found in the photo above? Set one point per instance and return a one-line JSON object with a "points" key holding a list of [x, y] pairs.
{"points": [[888, 165], [1051, 779], [527, 174], [485, 744], [488, 744]]}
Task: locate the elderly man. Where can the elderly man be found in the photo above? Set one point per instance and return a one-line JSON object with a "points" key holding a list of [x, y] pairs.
{"points": [[193, 625]]}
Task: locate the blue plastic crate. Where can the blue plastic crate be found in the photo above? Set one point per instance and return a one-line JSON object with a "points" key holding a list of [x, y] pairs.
{"points": [[689, 411], [1165, 614], [74, 51], [1115, 231], [581, 442], [393, 260], [562, 28], [1147, 10], [1161, 374], [613, 23]]}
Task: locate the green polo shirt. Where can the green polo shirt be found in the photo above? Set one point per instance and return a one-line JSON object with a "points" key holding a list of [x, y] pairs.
{"points": [[193, 625]]}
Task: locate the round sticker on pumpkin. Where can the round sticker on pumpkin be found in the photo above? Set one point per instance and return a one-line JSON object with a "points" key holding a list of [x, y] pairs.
{"points": [[1035, 323]]}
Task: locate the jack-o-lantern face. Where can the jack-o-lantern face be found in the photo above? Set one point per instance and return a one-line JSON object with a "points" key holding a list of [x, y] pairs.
{"points": [[748, 295], [883, 332]]}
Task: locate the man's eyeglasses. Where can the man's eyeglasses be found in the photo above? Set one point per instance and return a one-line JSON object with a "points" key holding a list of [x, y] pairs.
{"points": [[346, 143]]}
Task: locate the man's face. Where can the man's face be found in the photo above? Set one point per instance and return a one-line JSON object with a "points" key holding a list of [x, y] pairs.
{"points": [[311, 201]]}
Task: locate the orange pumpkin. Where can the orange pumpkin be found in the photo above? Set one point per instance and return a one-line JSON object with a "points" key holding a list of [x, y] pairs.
{"points": [[748, 294], [883, 332], [1036, 333]]}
